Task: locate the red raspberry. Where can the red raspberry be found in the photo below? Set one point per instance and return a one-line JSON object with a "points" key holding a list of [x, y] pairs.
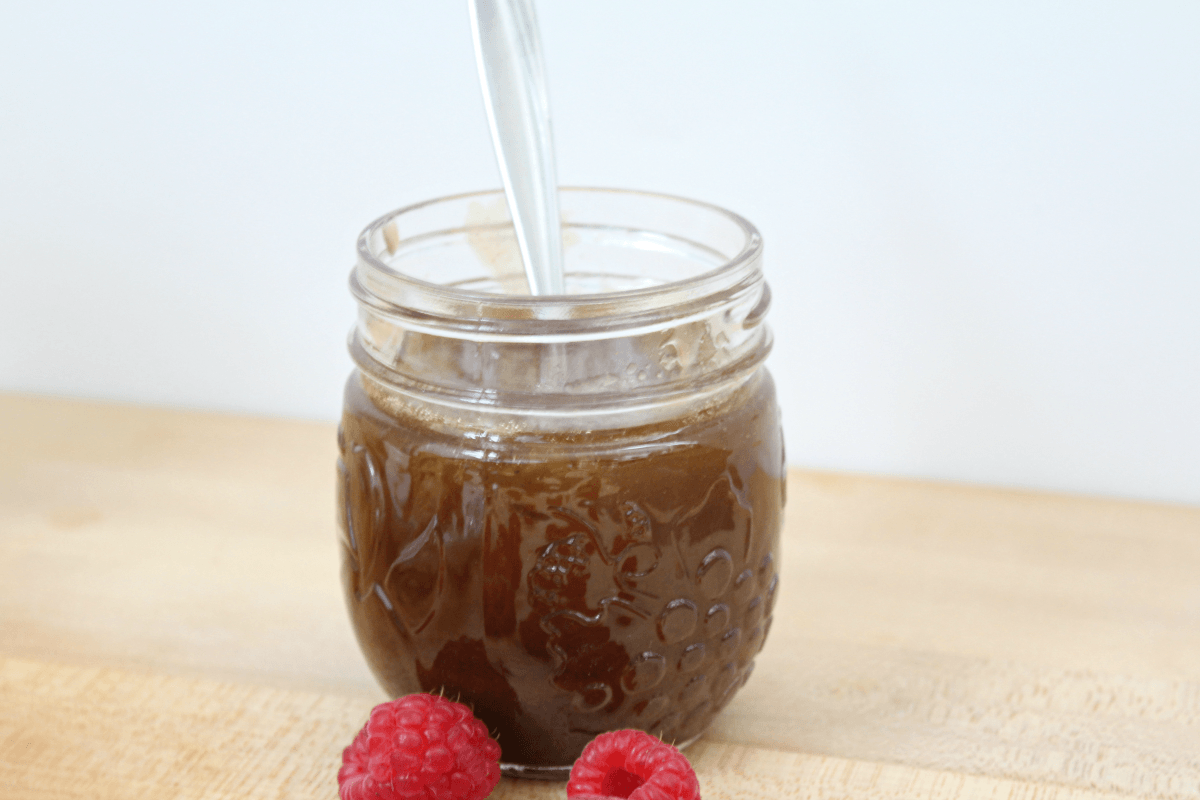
{"points": [[420, 747], [633, 765]]}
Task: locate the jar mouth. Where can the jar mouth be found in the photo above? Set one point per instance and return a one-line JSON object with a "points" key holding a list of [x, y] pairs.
{"points": [[665, 305], [452, 264]]}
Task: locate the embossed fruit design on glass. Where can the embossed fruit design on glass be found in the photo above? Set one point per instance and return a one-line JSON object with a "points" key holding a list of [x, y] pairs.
{"points": [[563, 511]]}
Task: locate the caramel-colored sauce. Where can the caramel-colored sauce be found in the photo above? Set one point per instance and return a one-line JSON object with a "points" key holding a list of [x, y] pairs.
{"points": [[564, 585]]}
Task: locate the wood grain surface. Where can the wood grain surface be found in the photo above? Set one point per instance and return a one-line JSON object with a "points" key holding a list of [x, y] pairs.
{"points": [[171, 625]]}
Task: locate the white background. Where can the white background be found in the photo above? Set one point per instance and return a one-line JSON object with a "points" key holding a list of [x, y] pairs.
{"points": [[982, 219]]}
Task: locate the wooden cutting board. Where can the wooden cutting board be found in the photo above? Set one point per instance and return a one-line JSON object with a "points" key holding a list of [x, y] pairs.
{"points": [[171, 626]]}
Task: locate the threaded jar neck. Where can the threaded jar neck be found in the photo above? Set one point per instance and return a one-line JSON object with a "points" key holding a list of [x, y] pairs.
{"points": [[665, 300]]}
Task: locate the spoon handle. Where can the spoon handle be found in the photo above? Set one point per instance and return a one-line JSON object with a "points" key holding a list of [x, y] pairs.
{"points": [[513, 76]]}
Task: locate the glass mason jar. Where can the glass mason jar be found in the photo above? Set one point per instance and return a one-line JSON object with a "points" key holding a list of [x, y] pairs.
{"points": [[563, 511]]}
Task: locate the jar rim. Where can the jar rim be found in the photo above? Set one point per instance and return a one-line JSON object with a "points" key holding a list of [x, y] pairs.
{"points": [[393, 293]]}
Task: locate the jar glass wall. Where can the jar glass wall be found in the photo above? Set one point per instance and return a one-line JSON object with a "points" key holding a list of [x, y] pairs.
{"points": [[563, 511]]}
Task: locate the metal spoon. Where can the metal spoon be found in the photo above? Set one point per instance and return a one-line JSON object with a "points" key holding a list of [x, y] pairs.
{"points": [[512, 74]]}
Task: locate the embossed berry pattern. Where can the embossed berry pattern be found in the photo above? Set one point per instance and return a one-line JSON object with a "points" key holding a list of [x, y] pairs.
{"points": [[694, 660], [716, 658], [563, 593]]}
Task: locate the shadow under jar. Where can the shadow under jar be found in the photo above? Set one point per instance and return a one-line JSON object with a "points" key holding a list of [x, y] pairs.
{"points": [[563, 511]]}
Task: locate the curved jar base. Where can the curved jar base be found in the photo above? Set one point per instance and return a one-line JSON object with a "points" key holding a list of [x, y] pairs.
{"points": [[528, 772], [564, 585]]}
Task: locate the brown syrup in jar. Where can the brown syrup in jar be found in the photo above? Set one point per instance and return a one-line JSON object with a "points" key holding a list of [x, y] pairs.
{"points": [[564, 584]]}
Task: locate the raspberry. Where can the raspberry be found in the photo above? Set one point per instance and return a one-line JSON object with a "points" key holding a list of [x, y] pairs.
{"points": [[633, 765], [420, 747]]}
